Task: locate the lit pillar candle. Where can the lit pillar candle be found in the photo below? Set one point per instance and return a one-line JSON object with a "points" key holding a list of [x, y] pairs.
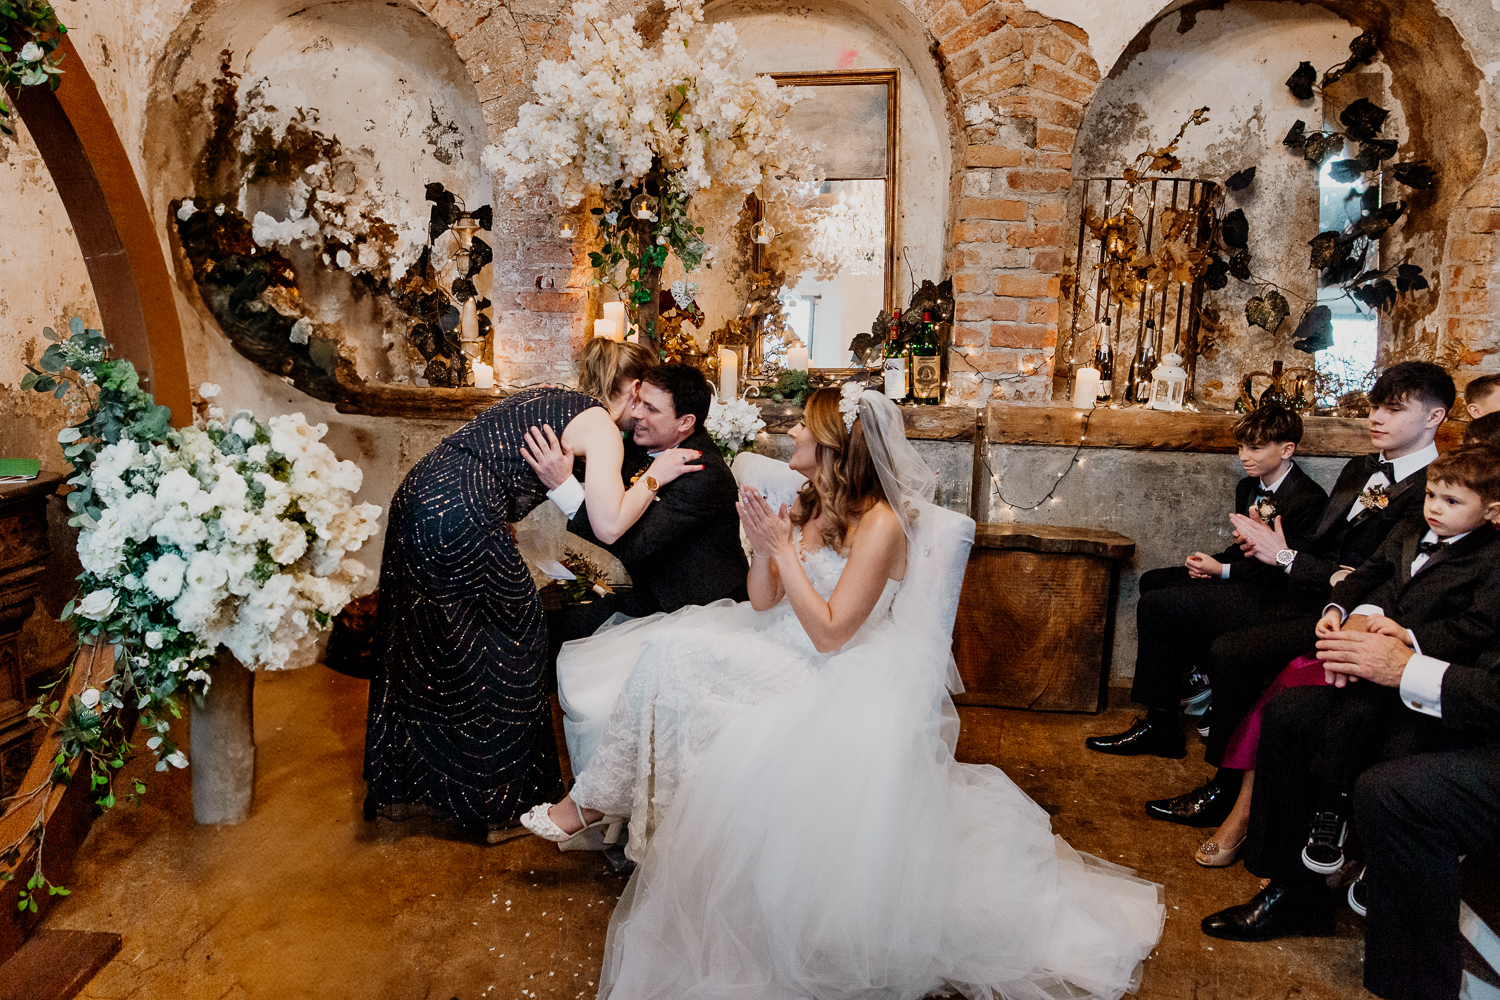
{"points": [[615, 313], [469, 320], [484, 375], [1085, 387], [729, 375], [796, 359]]}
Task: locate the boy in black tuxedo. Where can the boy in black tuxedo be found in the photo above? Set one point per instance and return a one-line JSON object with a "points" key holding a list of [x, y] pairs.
{"points": [[1251, 632], [1274, 486], [1434, 584]]}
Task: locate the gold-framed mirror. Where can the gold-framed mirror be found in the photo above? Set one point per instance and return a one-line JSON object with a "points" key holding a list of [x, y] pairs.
{"points": [[854, 115]]}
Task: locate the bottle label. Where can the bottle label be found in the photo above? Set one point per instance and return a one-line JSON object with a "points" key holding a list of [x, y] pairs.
{"points": [[926, 376], [1106, 389], [895, 378]]}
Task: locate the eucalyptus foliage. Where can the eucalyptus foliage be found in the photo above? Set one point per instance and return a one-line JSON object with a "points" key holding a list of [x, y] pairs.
{"points": [[32, 24]]}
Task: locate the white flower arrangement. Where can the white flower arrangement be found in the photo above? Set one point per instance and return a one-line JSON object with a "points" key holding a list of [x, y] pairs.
{"points": [[733, 425]]}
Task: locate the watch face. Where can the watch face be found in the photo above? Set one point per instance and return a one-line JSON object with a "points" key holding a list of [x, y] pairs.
{"points": [[651, 484]]}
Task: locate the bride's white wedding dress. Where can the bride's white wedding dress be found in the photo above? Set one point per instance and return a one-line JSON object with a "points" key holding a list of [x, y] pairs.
{"points": [[805, 833]]}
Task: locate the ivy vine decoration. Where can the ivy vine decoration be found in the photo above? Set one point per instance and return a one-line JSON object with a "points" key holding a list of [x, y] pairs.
{"points": [[34, 25], [1341, 256]]}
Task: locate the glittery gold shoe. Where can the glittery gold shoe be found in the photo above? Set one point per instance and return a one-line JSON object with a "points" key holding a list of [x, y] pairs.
{"points": [[1211, 855]]}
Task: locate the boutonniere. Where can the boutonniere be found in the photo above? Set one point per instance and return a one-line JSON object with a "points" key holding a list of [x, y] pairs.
{"points": [[638, 474], [1265, 508], [1375, 497]]}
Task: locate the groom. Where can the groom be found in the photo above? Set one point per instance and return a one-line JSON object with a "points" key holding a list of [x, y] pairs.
{"points": [[685, 549]]}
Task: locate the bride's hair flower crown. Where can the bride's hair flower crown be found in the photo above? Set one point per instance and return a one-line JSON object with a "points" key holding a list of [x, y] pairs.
{"points": [[849, 403]]}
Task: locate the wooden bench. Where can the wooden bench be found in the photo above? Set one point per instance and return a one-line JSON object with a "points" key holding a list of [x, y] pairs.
{"points": [[1036, 618]]}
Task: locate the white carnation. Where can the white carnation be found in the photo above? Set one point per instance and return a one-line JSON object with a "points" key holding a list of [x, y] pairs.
{"points": [[164, 577]]}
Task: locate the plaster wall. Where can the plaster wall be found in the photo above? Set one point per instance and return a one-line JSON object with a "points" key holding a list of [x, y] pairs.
{"points": [[1170, 503]]}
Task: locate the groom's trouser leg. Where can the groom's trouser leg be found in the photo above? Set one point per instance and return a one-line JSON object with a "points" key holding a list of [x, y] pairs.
{"points": [[1242, 664], [1415, 816], [1176, 626]]}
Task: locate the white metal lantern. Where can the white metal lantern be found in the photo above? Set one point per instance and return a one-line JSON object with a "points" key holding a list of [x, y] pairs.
{"points": [[1168, 384]]}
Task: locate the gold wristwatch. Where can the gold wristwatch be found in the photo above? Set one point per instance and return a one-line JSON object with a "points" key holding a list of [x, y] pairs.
{"points": [[652, 484]]}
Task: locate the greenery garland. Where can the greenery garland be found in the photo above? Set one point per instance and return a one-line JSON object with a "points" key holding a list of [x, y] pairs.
{"points": [[34, 25]]}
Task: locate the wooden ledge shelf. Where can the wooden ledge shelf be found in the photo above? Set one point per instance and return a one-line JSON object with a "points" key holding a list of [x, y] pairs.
{"points": [[1157, 430], [923, 423], [415, 402], [1053, 538]]}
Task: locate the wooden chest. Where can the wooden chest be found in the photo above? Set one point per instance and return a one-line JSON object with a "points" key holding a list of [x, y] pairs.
{"points": [[1036, 617]]}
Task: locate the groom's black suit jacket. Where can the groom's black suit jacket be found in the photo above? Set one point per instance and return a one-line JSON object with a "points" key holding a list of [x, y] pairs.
{"points": [[685, 549]]}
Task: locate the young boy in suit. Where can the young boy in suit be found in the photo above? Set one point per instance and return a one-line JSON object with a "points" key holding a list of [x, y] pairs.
{"points": [[1435, 584]]}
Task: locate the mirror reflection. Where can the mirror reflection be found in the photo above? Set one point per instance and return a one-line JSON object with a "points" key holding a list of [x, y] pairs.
{"points": [[827, 315]]}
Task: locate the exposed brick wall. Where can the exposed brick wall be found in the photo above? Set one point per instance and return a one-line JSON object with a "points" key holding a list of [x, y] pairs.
{"points": [[1022, 81], [1469, 338]]}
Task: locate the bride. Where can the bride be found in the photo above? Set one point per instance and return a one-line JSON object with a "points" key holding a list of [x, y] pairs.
{"points": [[801, 826]]}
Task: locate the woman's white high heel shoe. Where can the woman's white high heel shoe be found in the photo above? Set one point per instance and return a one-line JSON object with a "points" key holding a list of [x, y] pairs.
{"points": [[593, 836]]}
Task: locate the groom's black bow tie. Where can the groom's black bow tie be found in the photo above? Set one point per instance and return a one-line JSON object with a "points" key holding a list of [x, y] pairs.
{"points": [[1428, 548], [1374, 464]]}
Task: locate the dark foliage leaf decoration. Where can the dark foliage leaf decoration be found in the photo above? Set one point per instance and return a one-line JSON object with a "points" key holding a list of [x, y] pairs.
{"points": [[1235, 230], [1369, 276], [1239, 264], [480, 255], [1362, 120], [1373, 151], [485, 216], [1378, 221], [1216, 275], [1329, 249], [1415, 175], [1267, 313], [1361, 51], [1315, 331], [1346, 171], [1344, 273], [1300, 83], [1409, 278], [1377, 294], [1241, 180], [1321, 145], [1369, 198], [1296, 136]]}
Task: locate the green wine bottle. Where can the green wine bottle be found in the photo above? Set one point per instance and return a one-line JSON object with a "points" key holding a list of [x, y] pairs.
{"points": [[897, 367], [926, 365]]}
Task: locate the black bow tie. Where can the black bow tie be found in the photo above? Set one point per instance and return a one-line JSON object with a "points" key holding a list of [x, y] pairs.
{"points": [[1428, 548], [1374, 464]]}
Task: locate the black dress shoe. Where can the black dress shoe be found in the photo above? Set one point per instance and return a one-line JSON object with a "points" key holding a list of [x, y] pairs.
{"points": [[1206, 805], [1143, 737], [1276, 911]]}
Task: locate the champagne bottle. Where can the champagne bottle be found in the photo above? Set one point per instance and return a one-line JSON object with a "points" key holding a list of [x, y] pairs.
{"points": [[926, 365], [1274, 395], [1105, 362], [897, 376], [1139, 389]]}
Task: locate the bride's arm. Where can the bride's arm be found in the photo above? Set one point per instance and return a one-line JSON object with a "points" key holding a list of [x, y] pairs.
{"points": [[612, 508], [877, 548]]}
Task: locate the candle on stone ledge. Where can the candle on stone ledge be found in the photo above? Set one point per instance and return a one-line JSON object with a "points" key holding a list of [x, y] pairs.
{"points": [[484, 375], [729, 375], [604, 328], [1085, 387], [615, 313], [796, 359]]}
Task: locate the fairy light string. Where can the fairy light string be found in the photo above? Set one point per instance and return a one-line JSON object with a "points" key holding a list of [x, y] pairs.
{"points": [[1073, 461]]}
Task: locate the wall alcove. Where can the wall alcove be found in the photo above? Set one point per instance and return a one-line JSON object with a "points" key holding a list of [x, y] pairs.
{"points": [[291, 150], [1234, 58]]}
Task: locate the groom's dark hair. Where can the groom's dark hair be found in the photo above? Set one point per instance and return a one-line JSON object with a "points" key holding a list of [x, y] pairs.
{"points": [[689, 390]]}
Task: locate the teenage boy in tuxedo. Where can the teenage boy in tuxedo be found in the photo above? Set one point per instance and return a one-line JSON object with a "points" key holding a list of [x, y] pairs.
{"points": [[1251, 633], [1273, 485], [1482, 396]]}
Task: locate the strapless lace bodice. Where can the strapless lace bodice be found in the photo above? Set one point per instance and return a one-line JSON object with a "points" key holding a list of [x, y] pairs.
{"points": [[824, 566]]}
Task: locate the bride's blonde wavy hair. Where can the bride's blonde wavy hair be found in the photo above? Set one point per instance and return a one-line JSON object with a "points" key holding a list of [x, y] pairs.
{"points": [[844, 485]]}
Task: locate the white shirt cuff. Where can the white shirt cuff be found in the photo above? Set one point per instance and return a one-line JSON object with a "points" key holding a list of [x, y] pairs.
{"points": [[1343, 615], [1368, 609], [1224, 571], [1422, 685], [568, 496]]}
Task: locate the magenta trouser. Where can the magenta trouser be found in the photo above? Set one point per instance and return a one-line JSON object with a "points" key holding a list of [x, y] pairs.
{"points": [[1301, 672]]}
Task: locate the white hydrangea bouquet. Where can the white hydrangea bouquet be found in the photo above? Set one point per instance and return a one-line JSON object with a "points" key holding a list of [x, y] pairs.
{"points": [[733, 425], [648, 128], [232, 533]]}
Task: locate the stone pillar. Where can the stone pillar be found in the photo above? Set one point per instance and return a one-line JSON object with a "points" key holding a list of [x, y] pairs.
{"points": [[221, 757]]}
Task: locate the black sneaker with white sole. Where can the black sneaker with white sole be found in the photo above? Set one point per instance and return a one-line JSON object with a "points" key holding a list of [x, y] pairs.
{"points": [[1324, 852], [1357, 894]]}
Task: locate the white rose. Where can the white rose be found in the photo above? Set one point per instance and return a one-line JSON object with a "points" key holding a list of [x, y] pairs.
{"points": [[99, 605], [164, 578], [89, 697], [207, 570], [244, 428], [153, 640], [30, 52], [208, 390]]}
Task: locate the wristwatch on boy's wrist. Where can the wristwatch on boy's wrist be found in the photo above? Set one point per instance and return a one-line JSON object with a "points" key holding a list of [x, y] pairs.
{"points": [[1284, 558]]}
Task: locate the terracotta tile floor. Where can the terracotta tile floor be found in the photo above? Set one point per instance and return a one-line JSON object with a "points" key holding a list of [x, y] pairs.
{"points": [[307, 900]]}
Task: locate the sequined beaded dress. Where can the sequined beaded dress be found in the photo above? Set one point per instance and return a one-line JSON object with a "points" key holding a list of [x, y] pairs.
{"points": [[459, 722]]}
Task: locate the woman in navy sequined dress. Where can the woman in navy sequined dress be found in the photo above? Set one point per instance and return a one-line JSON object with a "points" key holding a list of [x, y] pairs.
{"points": [[458, 719]]}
